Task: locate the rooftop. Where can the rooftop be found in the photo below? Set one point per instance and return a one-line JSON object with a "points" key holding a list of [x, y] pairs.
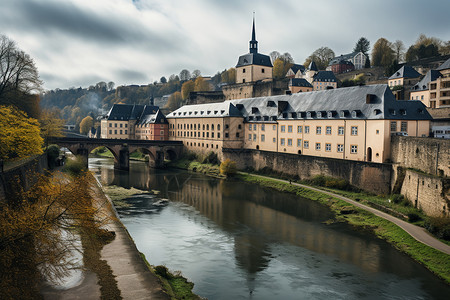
{"points": [[405, 72]]}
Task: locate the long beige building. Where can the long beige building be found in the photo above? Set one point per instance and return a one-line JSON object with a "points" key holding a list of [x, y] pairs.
{"points": [[353, 123]]}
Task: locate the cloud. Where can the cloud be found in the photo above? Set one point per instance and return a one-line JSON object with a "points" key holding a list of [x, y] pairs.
{"points": [[81, 42]]}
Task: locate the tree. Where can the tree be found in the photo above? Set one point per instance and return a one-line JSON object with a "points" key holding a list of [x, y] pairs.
{"points": [[19, 135], [174, 101], [86, 124], [163, 80], [185, 75], [228, 167], [51, 125], [201, 85], [399, 50], [424, 47], [195, 74], [18, 72], [274, 55], [362, 45], [186, 89], [382, 53], [173, 78], [229, 76], [111, 85], [321, 57], [281, 65]]}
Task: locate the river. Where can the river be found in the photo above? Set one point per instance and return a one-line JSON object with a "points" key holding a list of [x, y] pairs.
{"points": [[240, 241]]}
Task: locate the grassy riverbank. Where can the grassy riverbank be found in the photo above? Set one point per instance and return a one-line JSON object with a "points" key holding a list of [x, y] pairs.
{"points": [[434, 260]]}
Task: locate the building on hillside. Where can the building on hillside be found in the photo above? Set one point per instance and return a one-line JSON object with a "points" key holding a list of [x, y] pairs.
{"points": [[298, 85], [253, 66], [152, 126], [440, 88], [421, 90], [294, 70], [402, 81], [357, 59], [207, 127], [340, 66], [121, 119], [324, 80], [353, 123]]}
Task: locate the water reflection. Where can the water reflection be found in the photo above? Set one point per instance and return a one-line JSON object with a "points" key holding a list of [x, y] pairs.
{"points": [[231, 238]]}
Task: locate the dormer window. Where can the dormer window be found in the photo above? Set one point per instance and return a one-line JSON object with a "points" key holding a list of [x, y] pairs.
{"points": [[403, 112], [392, 112]]}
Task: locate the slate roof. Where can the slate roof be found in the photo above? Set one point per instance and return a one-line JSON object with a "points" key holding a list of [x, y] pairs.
{"points": [[343, 103], [422, 85], [405, 72], [312, 66], [325, 76], [299, 82], [344, 57], [445, 65], [209, 110], [254, 59], [125, 112], [296, 67], [152, 117]]}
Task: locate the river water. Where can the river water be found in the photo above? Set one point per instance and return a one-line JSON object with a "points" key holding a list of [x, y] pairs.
{"points": [[240, 241]]}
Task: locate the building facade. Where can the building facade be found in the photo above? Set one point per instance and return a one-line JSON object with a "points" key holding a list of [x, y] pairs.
{"points": [[353, 123], [402, 81]]}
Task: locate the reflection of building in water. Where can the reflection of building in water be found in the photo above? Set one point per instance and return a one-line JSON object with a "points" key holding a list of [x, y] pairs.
{"points": [[210, 198]]}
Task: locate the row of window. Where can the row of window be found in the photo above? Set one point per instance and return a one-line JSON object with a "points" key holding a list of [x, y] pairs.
{"points": [[201, 134], [204, 127], [161, 132], [328, 129], [120, 131], [403, 126], [115, 125], [201, 145]]}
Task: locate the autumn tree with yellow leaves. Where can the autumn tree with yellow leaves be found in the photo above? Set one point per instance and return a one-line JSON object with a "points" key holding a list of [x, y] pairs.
{"points": [[20, 135]]}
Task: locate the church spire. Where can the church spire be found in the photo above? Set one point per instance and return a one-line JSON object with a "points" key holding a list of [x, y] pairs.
{"points": [[253, 42]]}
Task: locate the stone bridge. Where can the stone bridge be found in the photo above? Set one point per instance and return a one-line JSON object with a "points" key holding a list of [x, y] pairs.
{"points": [[121, 149]]}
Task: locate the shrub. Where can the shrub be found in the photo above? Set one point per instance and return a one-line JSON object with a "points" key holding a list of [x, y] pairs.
{"points": [[52, 155], [163, 272], [413, 217], [210, 158], [440, 227], [75, 166], [397, 198], [228, 167]]}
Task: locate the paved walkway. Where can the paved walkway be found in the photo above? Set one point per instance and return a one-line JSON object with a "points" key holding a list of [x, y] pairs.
{"points": [[417, 232]]}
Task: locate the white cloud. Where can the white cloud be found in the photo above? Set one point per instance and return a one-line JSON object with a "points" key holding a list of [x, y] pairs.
{"points": [[80, 42]]}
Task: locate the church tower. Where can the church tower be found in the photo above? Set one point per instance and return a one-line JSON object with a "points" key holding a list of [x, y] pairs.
{"points": [[253, 66]]}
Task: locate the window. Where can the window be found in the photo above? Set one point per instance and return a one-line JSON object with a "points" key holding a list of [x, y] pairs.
{"points": [[289, 142], [341, 130], [249, 126], [327, 147], [115, 131], [299, 129], [404, 126], [110, 131], [340, 148], [377, 131], [207, 134], [354, 149], [328, 130], [212, 126], [243, 70], [282, 142], [354, 130], [263, 127], [218, 135], [263, 138], [306, 144], [126, 131], [254, 137], [393, 126], [161, 132], [254, 126], [212, 134], [115, 124], [283, 128], [289, 128], [226, 134], [299, 142], [262, 70], [306, 129], [319, 130], [237, 134], [274, 140], [110, 124], [218, 126], [318, 146], [203, 134], [274, 127], [250, 137], [121, 125], [227, 126]]}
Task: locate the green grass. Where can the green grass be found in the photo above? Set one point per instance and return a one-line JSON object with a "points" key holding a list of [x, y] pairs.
{"points": [[434, 260], [175, 285]]}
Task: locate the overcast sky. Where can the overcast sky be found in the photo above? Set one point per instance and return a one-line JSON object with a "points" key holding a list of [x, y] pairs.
{"points": [[81, 42]]}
